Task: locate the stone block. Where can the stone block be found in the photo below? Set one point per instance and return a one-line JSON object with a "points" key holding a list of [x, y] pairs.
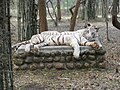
{"points": [[78, 65], [100, 58], [49, 65], [102, 65], [36, 59], [46, 54], [84, 57], [92, 63], [34, 66], [62, 59], [68, 58], [57, 58], [86, 64], [24, 67], [91, 52], [59, 65], [48, 59], [20, 54], [29, 60], [42, 59], [53, 54], [70, 65], [100, 52], [41, 65], [91, 57], [19, 61]]}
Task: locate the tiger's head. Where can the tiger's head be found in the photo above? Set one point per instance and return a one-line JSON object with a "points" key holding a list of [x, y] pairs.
{"points": [[91, 32]]}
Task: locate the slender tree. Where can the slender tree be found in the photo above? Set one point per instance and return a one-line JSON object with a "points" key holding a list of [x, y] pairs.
{"points": [[27, 19], [42, 16], [105, 10], [86, 13], [74, 16], [71, 8], [91, 9], [47, 5], [58, 10]]}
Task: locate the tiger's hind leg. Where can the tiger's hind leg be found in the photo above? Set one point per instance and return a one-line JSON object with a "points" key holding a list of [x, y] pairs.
{"points": [[28, 47], [15, 47]]}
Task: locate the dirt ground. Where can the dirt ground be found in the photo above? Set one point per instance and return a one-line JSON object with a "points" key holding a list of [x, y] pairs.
{"points": [[85, 79]]}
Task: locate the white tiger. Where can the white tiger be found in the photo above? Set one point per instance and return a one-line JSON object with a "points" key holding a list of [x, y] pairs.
{"points": [[71, 38]]}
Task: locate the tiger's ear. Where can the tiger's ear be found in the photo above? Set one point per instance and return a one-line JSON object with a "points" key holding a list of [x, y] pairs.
{"points": [[87, 25]]}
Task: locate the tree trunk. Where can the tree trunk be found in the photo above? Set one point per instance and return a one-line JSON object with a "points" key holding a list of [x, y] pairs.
{"points": [[19, 20], [58, 10], [91, 9], [73, 19], [6, 73], [30, 19], [42, 16], [105, 15], [86, 13], [27, 19], [114, 14], [51, 15]]}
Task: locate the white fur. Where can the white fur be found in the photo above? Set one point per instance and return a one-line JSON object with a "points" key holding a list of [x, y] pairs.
{"points": [[73, 39]]}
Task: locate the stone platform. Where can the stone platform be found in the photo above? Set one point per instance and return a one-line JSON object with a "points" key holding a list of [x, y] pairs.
{"points": [[58, 57]]}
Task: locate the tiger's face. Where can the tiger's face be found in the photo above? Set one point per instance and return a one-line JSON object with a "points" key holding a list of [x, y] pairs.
{"points": [[91, 32]]}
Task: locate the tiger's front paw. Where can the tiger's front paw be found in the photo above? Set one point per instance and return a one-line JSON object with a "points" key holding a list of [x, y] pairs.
{"points": [[94, 45], [36, 47], [76, 55]]}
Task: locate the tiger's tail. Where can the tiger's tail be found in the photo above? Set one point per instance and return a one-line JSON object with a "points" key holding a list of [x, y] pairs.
{"points": [[16, 46]]}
